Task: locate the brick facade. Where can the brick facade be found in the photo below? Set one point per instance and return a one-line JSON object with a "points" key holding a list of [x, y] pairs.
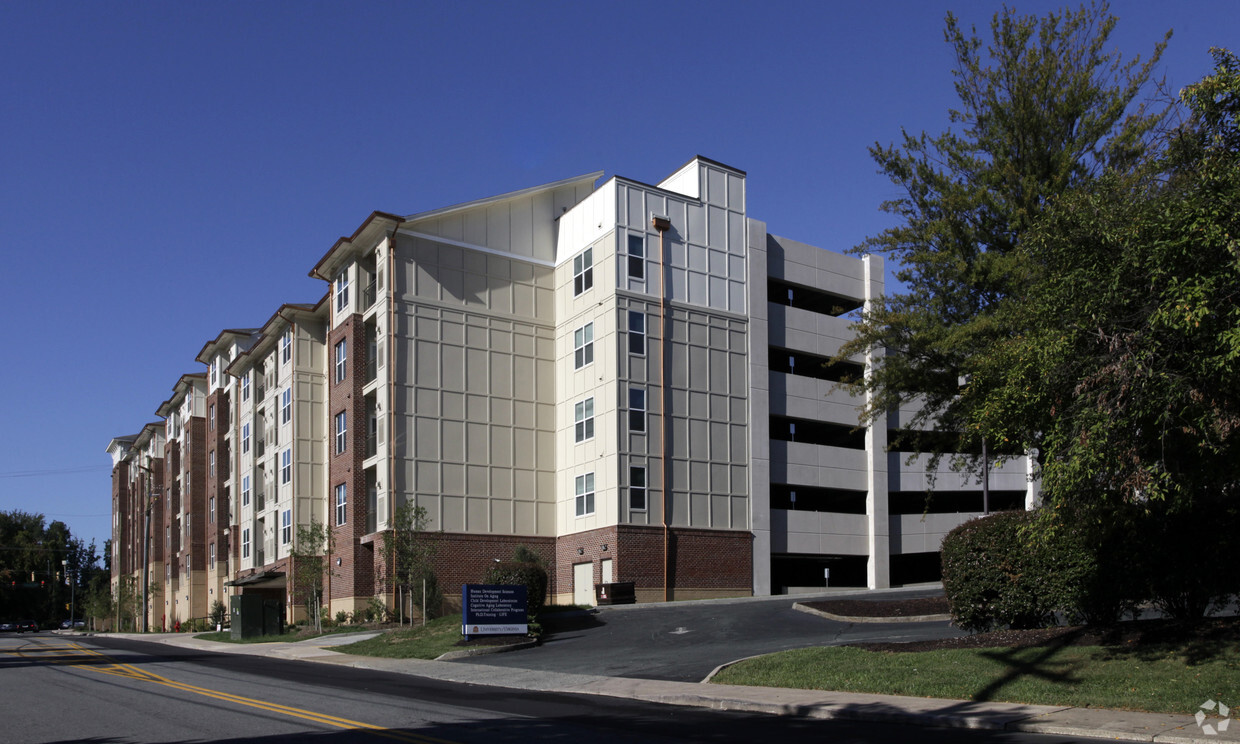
{"points": [[354, 578], [701, 563]]}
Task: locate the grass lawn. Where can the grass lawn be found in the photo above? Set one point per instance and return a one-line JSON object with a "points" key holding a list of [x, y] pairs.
{"points": [[436, 638], [1166, 678]]}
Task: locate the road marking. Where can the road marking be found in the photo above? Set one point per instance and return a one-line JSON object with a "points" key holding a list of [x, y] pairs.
{"points": [[129, 671]]}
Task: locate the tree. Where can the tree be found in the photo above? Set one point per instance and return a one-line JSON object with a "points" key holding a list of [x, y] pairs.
{"points": [[310, 563], [1127, 350], [410, 555], [1044, 109]]}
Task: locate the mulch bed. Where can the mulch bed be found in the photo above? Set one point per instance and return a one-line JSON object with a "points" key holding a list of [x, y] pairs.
{"points": [[882, 608]]}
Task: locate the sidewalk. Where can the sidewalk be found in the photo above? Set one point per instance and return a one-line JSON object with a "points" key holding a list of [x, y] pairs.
{"points": [[1042, 719]]}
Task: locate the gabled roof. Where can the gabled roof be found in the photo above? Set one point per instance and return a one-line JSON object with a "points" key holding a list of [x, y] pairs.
{"points": [[269, 335], [227, 336], [521, 193], [178, 392]]}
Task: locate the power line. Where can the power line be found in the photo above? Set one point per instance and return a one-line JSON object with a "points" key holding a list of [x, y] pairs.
{"points": [[51, 471]]}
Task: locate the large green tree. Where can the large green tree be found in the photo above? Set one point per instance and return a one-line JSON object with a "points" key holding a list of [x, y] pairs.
{"points": [[1044, 108], [1128, 345]]}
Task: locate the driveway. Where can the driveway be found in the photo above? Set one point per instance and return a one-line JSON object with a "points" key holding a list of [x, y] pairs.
{"points": [[686, 641]]}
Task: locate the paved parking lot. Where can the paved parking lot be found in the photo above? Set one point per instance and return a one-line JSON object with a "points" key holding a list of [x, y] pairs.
{"points": [[685, 641]]}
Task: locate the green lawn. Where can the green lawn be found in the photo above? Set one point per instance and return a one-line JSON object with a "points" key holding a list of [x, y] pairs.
{"points": [[436, 638], [226, 636], [1166, 678]]}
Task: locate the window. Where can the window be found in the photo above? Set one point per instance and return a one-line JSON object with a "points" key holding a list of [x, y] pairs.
{"points": [[245, 386], [637, 333], [167, 538], [215, 372], [286, 465], [286, 406], [583, 417], [211, 463], [585, 494], [583, 346], [211, 416], [245, 543], [637, 409], [245, 438], [637, 256], [286, 526], [245, 490], [286, 347], [637, 488], [211, 555], [583, 271], [342, 358], [342, 504], [342, 291], [211, 510], [342, 426]]}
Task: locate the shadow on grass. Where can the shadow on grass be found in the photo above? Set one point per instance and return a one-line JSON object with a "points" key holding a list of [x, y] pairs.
{"points": [[1018, 665]]}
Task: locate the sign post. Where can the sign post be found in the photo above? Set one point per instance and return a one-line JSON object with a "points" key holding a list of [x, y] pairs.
{"points": [[494, 609]]}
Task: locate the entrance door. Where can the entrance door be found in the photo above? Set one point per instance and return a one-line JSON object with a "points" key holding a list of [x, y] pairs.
{"points": [[583, 584], [605, 564]]}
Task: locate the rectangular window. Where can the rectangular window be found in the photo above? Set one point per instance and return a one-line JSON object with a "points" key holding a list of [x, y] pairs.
{"points": [[637, 409], [342, 504], [286, 347], [245, 386], [211, 416], [637, 488], [245, 490], [584, 494], [342, 438], [211, 463], [583, 346], [286, 406], [583, 271], [245, 438], [211, 510], [215, 372], [583, 418], [245, 543], [637, 333], [342, 291], [211, 555], [637, 256], [286, 466], [342, 359], [286, 526]]}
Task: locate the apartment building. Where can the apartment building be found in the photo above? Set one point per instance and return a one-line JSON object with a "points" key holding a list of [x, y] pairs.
{"points": [[629, 378]]}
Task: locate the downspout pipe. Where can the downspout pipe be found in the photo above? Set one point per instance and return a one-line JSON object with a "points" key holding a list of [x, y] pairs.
{"points": [[662, 224]]}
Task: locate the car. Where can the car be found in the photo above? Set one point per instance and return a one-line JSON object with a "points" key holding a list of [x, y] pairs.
{"points": [[27, 625], [67, 624], [8, 626]]}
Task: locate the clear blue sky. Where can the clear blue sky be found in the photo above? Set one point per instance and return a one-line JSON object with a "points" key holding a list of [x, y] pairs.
{"points": [[171, 169]]}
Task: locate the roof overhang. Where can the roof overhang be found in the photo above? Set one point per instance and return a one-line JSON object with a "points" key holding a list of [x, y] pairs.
{"points": [[261, 580]]}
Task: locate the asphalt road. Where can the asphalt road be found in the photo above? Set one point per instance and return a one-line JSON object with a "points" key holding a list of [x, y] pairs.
{"points": [[109, 691], [684, 642]]}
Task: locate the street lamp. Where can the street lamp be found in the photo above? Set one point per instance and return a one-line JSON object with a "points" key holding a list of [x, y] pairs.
{"points": [[65, 563]]}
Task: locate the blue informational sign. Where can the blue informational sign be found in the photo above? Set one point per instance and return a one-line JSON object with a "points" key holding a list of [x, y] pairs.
{"points": [[494, 609]]}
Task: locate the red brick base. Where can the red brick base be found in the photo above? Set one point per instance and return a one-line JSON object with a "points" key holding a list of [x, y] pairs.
{"points": [[699, 563]]}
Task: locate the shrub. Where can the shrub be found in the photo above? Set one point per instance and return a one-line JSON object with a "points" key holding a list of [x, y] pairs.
{"points": [[531, 575], [219, 613], [342, 617], [996, 573]]}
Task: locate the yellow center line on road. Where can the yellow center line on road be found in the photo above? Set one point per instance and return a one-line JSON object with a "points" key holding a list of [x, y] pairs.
{"points": [[131, 672]]}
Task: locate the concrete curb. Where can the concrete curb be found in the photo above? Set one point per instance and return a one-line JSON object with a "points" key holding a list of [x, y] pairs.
{"points": [[484, 650], [869, 619]]}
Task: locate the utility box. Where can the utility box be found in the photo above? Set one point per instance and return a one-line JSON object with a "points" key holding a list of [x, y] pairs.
{"points": [[615, 593], [254, 615]]}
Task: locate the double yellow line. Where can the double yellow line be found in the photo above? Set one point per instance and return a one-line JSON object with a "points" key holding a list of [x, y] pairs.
{"points": [[66, 655]]}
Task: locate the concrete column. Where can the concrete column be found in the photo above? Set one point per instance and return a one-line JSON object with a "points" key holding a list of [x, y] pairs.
{"points": [[878, 572], [759, 411]]}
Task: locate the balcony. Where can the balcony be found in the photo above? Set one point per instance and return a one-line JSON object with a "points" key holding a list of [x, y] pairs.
{"points": [[369, 295]]}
